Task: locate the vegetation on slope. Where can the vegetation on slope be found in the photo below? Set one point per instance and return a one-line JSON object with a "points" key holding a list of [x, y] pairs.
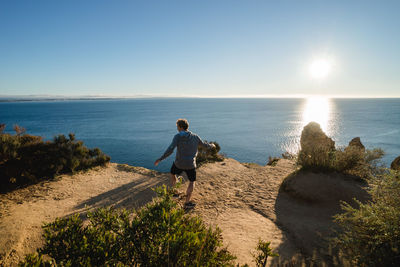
{"points": [[371, 232], [352, 161], [26, 159], [159, 234], [318, 153]]}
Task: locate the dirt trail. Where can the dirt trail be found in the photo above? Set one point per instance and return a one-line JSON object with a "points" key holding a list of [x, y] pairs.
{"points": [[239, 198], [231, 195], [24, 211]]}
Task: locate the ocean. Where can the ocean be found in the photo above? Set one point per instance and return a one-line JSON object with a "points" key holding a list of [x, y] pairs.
{"points": [[137, 131]]}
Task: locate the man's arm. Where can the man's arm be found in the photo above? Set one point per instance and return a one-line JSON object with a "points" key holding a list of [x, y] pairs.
{"points": [[205, 144], [169, 150]]}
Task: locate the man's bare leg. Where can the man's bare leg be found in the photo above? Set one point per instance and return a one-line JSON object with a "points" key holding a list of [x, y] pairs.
{"points": [[189, 191], [173, 180]]}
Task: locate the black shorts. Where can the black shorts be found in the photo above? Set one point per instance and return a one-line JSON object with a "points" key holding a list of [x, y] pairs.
{"points": [[191, 174]]}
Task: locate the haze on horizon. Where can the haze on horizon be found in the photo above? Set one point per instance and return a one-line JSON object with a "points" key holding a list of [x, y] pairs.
{"points": [[200, 48]]}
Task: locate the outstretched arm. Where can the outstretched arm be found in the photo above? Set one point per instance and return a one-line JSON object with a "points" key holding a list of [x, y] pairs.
{"points": [[205, 144], [169, 150]]}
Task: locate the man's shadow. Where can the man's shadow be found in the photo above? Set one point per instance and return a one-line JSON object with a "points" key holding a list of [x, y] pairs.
{"points": [[129, 196]]}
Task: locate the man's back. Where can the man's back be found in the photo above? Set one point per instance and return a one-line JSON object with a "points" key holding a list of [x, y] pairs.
{"points": [[186, 143]]}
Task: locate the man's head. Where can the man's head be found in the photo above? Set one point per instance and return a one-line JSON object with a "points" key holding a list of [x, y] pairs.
{"points": [[182, 124]]}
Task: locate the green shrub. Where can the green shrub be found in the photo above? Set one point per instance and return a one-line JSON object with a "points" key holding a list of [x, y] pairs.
{"points": [[159, 234], [208, 155], [357, 162], [349, 160], [34, 260], [263, 252], [317, 158], [27, 159], [371, 233]]}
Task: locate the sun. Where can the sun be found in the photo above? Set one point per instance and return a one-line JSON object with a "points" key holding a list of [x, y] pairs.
{"points": [[320, 68]]}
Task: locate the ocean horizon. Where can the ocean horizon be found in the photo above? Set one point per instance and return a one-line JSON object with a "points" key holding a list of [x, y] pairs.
{"points": [[136, 131]]}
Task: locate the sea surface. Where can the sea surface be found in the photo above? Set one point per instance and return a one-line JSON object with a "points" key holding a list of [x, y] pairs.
{"points": [[137, 131]]}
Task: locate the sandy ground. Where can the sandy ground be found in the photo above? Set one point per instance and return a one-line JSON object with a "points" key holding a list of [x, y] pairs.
{"points": [[244, 200]]}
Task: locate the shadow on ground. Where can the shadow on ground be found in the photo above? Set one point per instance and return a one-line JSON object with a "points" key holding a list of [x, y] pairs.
{"points": [[132, 195], [305, 207]]}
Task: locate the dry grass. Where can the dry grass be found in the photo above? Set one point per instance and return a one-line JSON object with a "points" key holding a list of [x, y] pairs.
{"points": [[350, 160]]}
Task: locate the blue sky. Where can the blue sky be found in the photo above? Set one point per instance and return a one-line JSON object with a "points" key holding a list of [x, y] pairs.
{"points": [[199, 48]]}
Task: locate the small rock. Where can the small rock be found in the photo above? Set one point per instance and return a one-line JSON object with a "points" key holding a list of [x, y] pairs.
{"points": [[288, 155], [272, 161], [356, 143], [395, 164]]}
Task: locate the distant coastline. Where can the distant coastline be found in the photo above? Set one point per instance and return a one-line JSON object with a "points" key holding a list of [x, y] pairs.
{"points": [[51, 98], [2, 100]]}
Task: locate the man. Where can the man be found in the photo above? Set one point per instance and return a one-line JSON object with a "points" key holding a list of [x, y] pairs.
{"points": [[186, 143]]}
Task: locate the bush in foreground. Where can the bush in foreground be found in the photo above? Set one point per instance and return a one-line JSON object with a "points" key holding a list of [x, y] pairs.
{"points": [[159, 234], [27, 159], [371, 233]]}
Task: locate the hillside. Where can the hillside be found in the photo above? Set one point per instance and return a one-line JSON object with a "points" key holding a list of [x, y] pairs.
{"points": [[244, 200]]}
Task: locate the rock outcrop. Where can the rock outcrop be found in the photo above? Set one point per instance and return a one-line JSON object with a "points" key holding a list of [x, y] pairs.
{"points": [[395, 164], [316, 146], [313, 136], [355, 143]]}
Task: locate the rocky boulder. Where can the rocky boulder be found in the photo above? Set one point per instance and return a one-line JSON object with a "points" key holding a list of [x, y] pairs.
{"points": [[395, 164], [355, 143], [316, 147], [312, 136]]}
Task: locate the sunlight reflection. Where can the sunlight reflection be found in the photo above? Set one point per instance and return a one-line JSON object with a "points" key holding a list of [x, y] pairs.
{"points": [[317, 109]]}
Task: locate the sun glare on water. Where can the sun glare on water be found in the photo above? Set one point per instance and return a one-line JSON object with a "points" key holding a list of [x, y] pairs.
{"points": [[317, 109]]}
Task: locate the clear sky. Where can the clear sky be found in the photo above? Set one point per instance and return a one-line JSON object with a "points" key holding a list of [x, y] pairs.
{"points": [[199, 48]]}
